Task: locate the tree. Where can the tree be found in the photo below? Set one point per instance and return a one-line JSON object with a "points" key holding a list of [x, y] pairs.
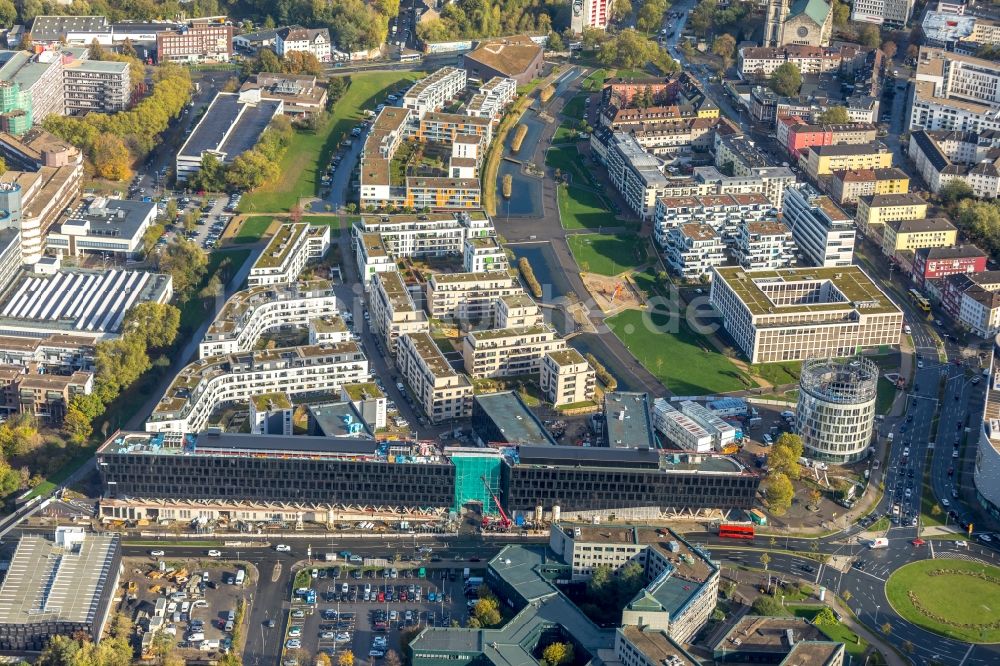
{"points": [[487, 612], [886, 628], [847, 595], [834, 115], [556, 42], [10, 479], [268, 61], [620, 9], [650, 15], [345, 658], [869, 36], [841, 13], [954, 191], [766, 605], [301, 62], [556, 654], [786, 79], [392, 659], [323, 659], [155, 323], [782, 459], [889, 48], [8, 12], [211, 175], [825, 618], [779, 492], [119, 363], [171, 212], [815, 496], [912, 51], [95, 51], [128, 49], [76, 425], [185, 262], [88, 404], [111, 158], [27, 43], [724, 46], [765, 559]]}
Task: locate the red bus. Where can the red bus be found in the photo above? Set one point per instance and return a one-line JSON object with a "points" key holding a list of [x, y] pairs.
{"points": [[736, 531]]}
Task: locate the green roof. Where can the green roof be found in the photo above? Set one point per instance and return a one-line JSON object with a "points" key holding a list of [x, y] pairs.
{"points": [[817, 10]]}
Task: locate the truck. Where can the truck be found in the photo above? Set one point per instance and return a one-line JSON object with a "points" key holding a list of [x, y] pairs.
{"points": [[465, 573], [330, 557], [241, 576], [880, 542]]}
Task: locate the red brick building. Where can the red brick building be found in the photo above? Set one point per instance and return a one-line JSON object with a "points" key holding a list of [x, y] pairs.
{"points": [[201, 42], [931, 263]]}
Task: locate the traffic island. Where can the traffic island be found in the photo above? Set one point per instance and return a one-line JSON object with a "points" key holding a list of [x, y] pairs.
{"points": [[955, 598]]}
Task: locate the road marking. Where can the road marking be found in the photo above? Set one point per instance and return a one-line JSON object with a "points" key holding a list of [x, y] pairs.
{"points": [[872, 575], [276, 572], [966, 655]]}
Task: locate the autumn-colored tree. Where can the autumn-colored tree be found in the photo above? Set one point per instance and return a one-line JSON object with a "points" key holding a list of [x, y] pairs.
{"points": [[111, 158], [345, 658]]}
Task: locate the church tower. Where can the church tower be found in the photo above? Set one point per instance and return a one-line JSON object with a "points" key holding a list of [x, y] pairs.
{"points": [[777, 12]]}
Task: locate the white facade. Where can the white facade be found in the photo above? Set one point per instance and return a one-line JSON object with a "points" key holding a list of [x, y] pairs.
{"points": [[836, 409], [508, 352], [691, 250], [636, 174], [288, 252], [680, 429], [469, 296], [493, 98], [823, 232], [392, 310], [444, 394], [888, 12], [954, 92], [764, 244], [942, 157], [433, 92], [590, 14], [307, 40]]}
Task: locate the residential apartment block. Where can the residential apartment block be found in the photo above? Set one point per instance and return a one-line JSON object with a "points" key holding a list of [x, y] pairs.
{"points": [[796, 135], [973, 299], [910, 235], [433, 92], [45, 396], [692, 249], [954, 92], [823, 160], [590, 14], [879, 209], [567, 378], [934, 263], [92, 85], [723, 212], [305, 40], [894, 13], [824, 233], [493, 98], [515, 310], [971, 157], [962, 33], [444, 394], [288, 252], [468, 296], [847, 186], [507, 352], [798, 313], [636, 174], [208, 383], [200, 42], [251, 313], [392, 310], [764, 244], [761, 61]]}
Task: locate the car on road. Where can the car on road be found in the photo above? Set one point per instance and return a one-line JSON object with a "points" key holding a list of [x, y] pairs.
{"points": [[297, 613], [215, 553], [985, 537], [343, 637], [945, 503], [918, 542], [156, 553], [270, 624], [282, 548], [858, 564], [808, 568]]}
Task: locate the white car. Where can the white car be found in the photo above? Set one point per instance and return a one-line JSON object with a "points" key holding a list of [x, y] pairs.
{"points": [[293, 644], [945, 503], [920, 364], [295, 632], [986, 537], [215, 553], [954, 454], [282, 548], [315, 573], [156, 553], [327, 635], [343, 637]]}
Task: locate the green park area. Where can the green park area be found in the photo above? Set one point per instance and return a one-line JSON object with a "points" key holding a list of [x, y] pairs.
{"points": [[253, 228], [310, 151], [680, 358], [567, 160], [607, 254], [955, 598], [580, 208], [576, 107], [595, 81]]}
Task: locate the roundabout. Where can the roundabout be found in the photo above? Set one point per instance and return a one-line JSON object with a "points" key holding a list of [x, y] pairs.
{"points": [[959, 599]]}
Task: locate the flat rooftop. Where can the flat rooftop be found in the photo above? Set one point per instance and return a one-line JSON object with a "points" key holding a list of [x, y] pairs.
{"points": [[391, 283], [628, 421], [229, 127], [516, 422], [657, 647], [233, 315], [287, 237], [50, 583], [338, 419], [597, 457], [362, 391], [431, 354], [757, 634]]}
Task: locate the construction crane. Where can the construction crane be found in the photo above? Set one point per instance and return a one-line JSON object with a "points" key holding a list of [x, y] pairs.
{"points": [[504, 522]]}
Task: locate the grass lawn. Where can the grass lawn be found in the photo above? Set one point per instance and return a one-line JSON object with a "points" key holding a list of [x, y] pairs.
{"points": [[309, 152], [607, 254], [885, 395], [680, 358], [853, 644], [253, 228], [931, 513], [968, 596], [332, 221], [595, 81], [565, 133], [583, 209], [567, 159], [778, 373], [194, 311], [576, 107]]}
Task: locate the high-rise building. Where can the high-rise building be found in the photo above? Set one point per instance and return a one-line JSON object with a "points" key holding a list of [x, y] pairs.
{"points": [[590, 14], [836, 410]]}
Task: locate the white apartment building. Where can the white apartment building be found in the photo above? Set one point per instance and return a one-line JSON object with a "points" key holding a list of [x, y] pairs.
{"points": [[251, 313], [306, 40], [942, 157], [392, 310], [208, 383], [421, 235], [796, 313], [468, 296], [823, 232], [96, 85], [444, 394], [761, 61], [635, 173], [693, 249], [764, 244], [507, 352], [566, 377], [433, 92], [979, 310], [328, 328], [954, 92], [516, 310], [493, 98], [483, 254], [680, 429], [882, 12], [590, 14], [959, 32], [723, 434], [288, 252], [723, 212]]}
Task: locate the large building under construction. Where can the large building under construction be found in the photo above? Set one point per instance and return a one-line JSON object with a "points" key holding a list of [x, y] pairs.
{"points": [[319, 479]]}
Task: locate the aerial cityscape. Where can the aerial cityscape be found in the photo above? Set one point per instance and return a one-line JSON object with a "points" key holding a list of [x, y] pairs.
{"points": [[510, 333]]}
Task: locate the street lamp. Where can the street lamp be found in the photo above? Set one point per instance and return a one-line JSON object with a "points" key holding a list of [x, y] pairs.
{"points": [[876, 614]]}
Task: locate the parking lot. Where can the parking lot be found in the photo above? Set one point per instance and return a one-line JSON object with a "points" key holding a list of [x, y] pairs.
{"points": [[365, 609], [192, 602]]}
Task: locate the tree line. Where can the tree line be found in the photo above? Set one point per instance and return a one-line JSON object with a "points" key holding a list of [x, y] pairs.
{"points": [[465, 19], [628, 49], [782, 468], [979, 220], [251, 169], [112, 142]]}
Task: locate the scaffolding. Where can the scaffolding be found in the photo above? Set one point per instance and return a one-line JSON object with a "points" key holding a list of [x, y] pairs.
{"points": [[471, 468]]}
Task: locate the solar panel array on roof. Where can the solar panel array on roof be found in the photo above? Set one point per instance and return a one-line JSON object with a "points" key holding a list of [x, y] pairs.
{"points": [[94, 302]]}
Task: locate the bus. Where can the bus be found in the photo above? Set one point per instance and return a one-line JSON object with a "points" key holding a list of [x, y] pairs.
{"points": [[757, 517], [920, 300], [730, 531]]}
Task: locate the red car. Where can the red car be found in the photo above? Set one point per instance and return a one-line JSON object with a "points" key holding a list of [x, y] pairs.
{"points": [[918, 542]]}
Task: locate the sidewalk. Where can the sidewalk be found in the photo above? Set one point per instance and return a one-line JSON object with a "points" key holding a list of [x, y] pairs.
{"points": [[875, 640]]}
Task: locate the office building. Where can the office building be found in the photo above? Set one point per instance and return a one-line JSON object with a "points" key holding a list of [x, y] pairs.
{"points": [[304, 40], [899, 236], [875, 211], [891, 13], [777, 640], [200, 42], [943, 156], [836, 409], [847, 186], [764, 244], [443, 393], [106, 227], [393, 312], [823, 160], [628, 421], [208, 383], [231, 125], [508, 352], [680, 430], [567, 378], [288, 252], [300, 95], [798, 313], [33, 88], [692, 249], [250, 314], [502, 418], [823, 232], [63, 585], [92, 85], [963, 33], [517, 57], [639, 646], [986, 473], [433, 92], [593, 14], [469, 297], [806, 22], [954, 92]]}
